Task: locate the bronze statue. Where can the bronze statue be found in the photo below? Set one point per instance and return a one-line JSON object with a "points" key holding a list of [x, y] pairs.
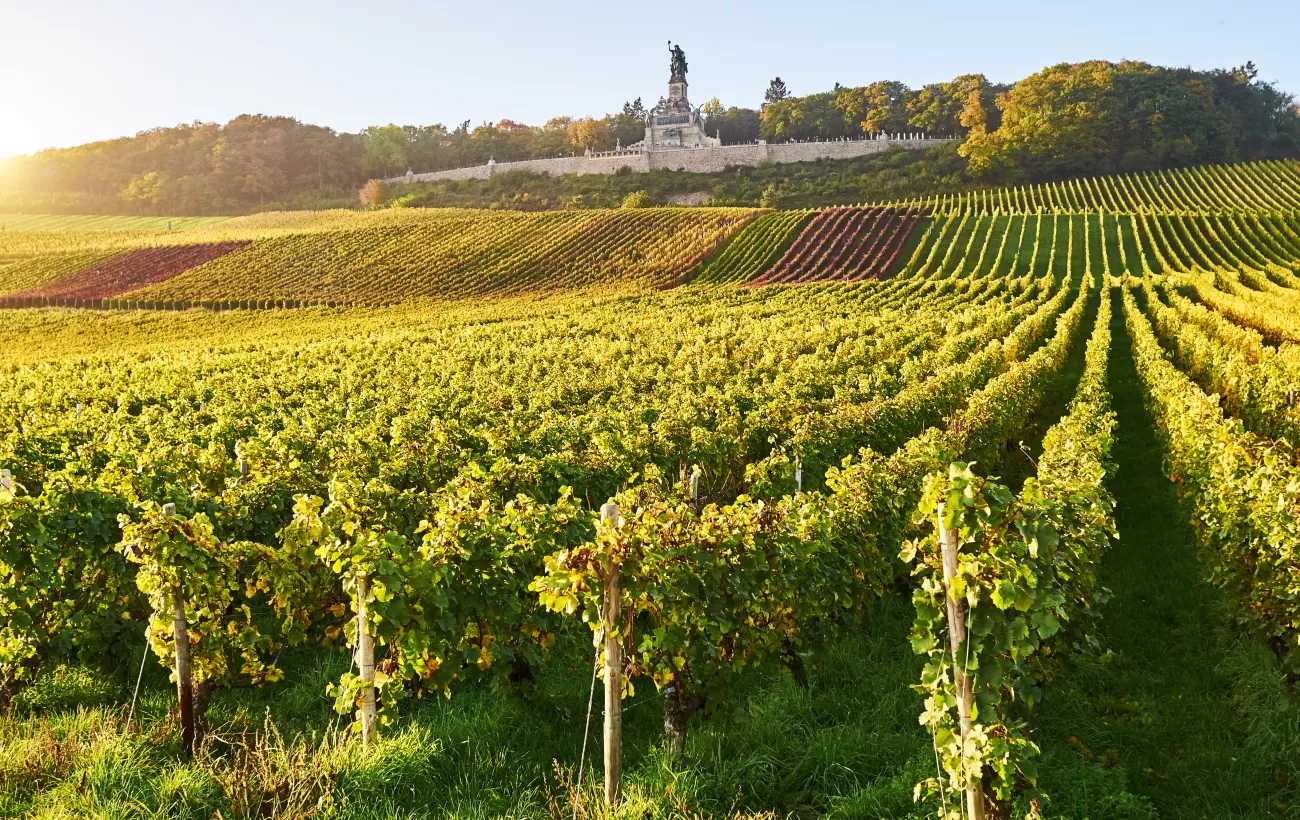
{"points": [[678, 61]]}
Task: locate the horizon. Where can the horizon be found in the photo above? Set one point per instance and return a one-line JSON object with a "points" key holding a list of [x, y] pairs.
{"points": [[333, 66]]}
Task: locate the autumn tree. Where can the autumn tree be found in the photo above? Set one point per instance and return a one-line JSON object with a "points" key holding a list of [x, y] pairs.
{"points": [[374, 194], [590, 133], [1100, 117], [940, 108], [637, 199], [879, 107]]}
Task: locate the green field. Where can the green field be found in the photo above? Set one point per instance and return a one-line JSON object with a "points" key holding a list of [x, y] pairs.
{"points": [[58, 222]]}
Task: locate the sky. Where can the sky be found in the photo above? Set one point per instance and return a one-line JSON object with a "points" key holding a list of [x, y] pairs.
{"points": [[76, 71]]}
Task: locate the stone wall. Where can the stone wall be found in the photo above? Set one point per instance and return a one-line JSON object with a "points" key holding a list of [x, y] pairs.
{"points": [[691, 160]]}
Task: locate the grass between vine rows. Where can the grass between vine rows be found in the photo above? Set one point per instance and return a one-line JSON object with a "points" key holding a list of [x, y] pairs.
{"points": [[1194, 715], [850, 747]]}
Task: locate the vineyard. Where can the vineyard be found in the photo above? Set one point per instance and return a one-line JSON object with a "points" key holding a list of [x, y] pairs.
{"points": [[1208, 218], [844, 245], [129, 271], [370, 258], [1245, 188], [851, 540]]}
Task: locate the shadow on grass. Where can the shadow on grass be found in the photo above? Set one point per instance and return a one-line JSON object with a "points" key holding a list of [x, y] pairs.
{"points": [[1192, 716]]}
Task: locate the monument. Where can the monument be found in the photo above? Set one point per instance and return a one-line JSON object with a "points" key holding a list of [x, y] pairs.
{"points": [[675, 140], [673, 123]]}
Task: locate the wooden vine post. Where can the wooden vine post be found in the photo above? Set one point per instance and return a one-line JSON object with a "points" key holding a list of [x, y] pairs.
{"points": [[366, 663], [610, 517], [956, 637], [184, 677]]}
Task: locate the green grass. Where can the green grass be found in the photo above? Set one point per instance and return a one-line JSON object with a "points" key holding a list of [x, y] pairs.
{"points": [[57, 222], [1194, 716], [851, 747]]}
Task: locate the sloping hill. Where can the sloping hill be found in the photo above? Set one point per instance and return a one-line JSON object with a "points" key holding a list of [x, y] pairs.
{"points": [[364, 258], [1210, 217], [1270, 186]]}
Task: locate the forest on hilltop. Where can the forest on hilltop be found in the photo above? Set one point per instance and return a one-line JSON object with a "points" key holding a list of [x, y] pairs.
{"points": [[1067, 120]]}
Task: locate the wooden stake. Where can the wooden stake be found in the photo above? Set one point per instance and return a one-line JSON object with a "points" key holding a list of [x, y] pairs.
{"points": [[366, 662], [613, 672], [184, 681], [956, 637], [184, 678]]}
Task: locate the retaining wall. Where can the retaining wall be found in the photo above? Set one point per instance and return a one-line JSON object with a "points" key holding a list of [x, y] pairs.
{"points": [[690, 160]]}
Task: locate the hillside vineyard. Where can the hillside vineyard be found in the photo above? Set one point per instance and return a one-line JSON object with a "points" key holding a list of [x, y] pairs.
{"points": [[410, 465], [333, 258]]}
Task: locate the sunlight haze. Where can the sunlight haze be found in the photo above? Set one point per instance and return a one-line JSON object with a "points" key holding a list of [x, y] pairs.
{"points": [[125, 67]]}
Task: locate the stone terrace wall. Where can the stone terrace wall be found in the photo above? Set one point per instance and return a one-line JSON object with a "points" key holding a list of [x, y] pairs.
{"points": [[691, 160]]}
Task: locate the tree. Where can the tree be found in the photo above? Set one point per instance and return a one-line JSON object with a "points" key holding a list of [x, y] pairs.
{"points": [[590, 134], [554, 138], [772, 197], [384, 149], [940, 108], [776, 91], [875, 108], [1100, 117], [635, 110], [374, 193], [1084, 118], [144, 189], [731, 125], [429, 148], [812, 117], [505, 141], [637, 199], [628, 126], [1051, 121]]}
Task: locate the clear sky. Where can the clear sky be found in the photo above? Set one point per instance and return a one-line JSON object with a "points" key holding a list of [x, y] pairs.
{"points": [[73, 71]]}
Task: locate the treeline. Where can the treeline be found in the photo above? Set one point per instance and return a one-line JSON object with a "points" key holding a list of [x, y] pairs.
{"points": [[1067, 120], [1100, 118], [250, 163]]}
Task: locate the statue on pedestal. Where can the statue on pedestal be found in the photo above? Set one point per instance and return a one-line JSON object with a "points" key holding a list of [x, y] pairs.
{"points": [[678, 61]]}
